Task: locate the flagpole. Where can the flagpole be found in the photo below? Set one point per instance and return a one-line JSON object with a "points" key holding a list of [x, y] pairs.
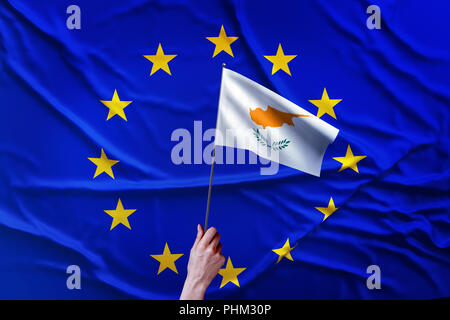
{"points": [[213, 158]]}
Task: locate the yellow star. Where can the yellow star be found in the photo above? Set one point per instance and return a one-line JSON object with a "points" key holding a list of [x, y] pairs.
{"points": [[222, 42], [280, 61], [328, 210], [103, 165], [325, 104], [116, 106], [120, 215], [166, 260], [349, 161], [230, 274], [284, 251], [160, 60]]}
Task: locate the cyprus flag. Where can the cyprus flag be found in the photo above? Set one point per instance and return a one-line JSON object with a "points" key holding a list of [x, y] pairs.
{"points": [[255, 118]]}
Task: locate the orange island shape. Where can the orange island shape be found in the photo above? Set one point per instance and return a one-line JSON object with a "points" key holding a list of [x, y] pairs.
{"points": [[273, 117]]}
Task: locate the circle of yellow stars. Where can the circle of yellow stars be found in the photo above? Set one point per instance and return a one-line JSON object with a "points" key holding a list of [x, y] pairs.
{"points": [[160, 61]]}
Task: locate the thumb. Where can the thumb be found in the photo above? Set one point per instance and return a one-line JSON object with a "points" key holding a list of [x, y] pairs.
{"points": [[199, 234]]}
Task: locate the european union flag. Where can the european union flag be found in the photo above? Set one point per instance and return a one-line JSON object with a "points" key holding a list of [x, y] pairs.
{"points": [[107, 129]]}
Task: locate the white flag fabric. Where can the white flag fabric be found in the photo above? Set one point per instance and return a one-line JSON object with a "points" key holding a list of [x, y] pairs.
{"points": [[255, 118]]}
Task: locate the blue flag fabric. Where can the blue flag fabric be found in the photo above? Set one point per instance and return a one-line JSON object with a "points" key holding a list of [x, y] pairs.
{"points": [[392, 206]]}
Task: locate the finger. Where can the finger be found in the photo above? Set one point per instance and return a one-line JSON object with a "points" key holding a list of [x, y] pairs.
{"points": [[208, 236], [219, 248], [222, 260], [215, 241], [199, 235]]}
